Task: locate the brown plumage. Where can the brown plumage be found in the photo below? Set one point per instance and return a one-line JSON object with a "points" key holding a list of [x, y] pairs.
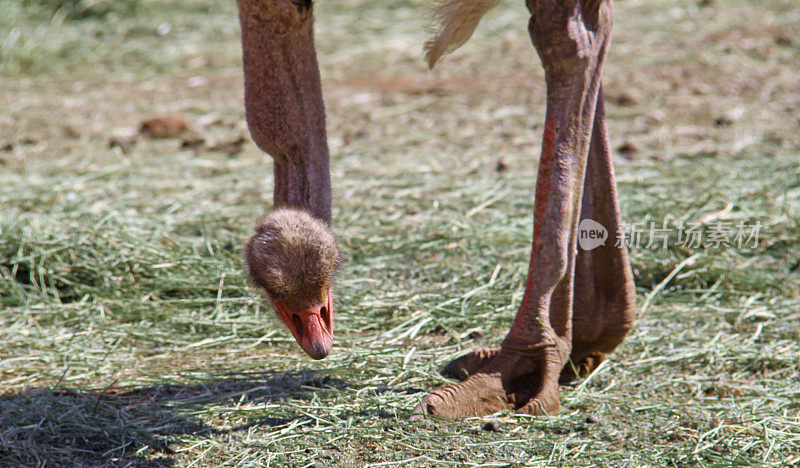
{"points": [[293, 256]]}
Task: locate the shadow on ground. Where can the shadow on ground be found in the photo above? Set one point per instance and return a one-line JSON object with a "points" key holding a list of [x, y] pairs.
{"points": [[63, 427]]}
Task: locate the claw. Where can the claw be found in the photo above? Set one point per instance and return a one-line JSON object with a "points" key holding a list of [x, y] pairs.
{"points": [[468, 364], [422, 409]]}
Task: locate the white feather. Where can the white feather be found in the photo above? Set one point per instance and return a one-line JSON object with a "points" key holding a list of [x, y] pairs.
{"points": [[457, 20]]}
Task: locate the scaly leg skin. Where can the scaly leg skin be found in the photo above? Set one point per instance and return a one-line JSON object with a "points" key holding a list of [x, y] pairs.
{"points": [[462, 367], [571, 38], [604, 305]]}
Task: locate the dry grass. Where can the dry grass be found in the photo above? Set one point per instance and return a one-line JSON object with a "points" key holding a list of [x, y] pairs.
{"points": [[129, 336]]}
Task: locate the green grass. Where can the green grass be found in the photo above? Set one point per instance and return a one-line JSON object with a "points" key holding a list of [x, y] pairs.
{"points": [[130, 337]]}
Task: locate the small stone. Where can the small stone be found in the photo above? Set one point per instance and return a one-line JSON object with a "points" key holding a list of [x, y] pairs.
{"points": [[166, 126], [232, 147], [70, 132], [193, 142], [730, 117], [783, 39], [723, 121], [491, 427], [624, 99], [196, 81], [123, 142], [502, 165], [719, 448], [628, 148]]}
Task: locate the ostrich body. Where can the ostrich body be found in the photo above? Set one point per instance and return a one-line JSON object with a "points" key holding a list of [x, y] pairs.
{"points": [[578, 305]]}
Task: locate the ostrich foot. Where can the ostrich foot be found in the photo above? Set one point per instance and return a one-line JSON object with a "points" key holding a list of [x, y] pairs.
{"points": [[464, 366], [515, 381]]}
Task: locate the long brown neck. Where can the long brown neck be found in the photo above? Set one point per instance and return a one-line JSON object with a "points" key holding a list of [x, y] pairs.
{"points": [[283, 100], [304, 183]]}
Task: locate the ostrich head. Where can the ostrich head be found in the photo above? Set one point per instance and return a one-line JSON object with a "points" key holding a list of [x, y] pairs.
{"points": [[292, 257]]}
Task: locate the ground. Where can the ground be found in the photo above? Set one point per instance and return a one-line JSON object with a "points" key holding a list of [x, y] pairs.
{"points": [[129, 335]]}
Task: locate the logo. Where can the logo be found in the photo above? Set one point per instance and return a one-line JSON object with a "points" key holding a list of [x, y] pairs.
{"points": [[591, 234]]}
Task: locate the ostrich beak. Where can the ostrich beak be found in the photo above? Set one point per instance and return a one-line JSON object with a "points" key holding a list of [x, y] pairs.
{"points": [[311, 326]]}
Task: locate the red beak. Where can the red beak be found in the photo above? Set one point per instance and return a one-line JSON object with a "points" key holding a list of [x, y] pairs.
{"points": [[312, 326]]}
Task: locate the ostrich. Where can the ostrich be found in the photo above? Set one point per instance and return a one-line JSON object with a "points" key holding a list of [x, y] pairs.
{"points": [[578, 304]]}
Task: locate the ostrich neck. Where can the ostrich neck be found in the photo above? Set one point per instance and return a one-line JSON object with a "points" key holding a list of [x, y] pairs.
{"points": [[304, 182], [283, 100]]}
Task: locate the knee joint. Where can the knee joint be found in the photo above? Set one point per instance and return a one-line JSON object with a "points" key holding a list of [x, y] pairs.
{"points": [[569, 35]]}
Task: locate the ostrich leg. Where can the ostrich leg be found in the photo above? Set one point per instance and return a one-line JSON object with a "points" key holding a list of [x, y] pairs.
{"points": [[604, 305], [571, 37]]}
